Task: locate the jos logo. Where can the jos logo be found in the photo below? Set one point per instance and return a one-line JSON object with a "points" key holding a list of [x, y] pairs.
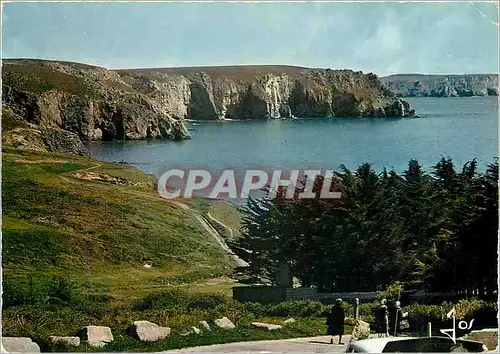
{"points": [[461, 325]]}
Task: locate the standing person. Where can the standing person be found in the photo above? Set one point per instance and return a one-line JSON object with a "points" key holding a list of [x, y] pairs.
{"points": [[396, 318], [335, 321], [383, 318]]}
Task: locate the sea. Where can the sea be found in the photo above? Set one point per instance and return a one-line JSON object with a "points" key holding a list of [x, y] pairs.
{"points": [[462, 128]]}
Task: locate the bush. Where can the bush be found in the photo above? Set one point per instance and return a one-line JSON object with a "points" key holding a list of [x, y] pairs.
{"points": [[38, 290], [301, 308], [366, 311], [484, 313], [257, 309], [392, 293]]}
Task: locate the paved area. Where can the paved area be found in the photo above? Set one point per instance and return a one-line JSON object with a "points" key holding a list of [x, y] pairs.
{"points": [[296, 345]]}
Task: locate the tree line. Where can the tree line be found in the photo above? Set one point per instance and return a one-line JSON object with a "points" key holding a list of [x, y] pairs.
{"points": [[435, 231]]}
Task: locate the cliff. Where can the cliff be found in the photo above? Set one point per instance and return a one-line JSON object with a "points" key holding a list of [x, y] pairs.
{"points": [[265, 92], [412, 85], [99, 104]]}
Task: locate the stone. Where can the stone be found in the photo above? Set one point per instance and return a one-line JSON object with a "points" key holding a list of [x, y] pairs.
{"points": [[75, 341], [19, 345], [195, 330], [149, 331], [289, 321], [97, 344], [224, 323], [267, 326], [204, 325], [93, 334], [361, 330]]}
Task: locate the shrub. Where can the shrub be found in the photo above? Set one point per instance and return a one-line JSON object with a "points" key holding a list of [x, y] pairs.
{"points": [[257, 309], [392, 292], [366, 311], [301, 308]]}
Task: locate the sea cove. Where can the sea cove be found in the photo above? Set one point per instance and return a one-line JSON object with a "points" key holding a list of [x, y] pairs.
{"points": [[461, 128]]}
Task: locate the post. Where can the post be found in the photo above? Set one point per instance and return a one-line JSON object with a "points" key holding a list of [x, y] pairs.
{"points": [[356, 309], [429, 327]]}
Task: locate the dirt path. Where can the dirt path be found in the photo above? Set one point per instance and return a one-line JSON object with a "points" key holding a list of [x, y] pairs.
{"points": [[221, 224], [212, 231], [297, 345]]}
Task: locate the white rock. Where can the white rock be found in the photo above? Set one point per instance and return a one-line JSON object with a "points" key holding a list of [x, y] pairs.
{"points": [[204, 325], [268, 326], [195, 330], [19, 345], [97, 344], [289, 321], [149, 331], [224, 323], [66, 340], [96, 334]]}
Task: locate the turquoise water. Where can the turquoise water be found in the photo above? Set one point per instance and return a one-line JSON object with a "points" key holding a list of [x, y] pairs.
{"points": [[462, 128]]}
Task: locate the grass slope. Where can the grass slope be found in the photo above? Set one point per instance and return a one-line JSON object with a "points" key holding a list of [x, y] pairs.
{"points": [[55, 223]]}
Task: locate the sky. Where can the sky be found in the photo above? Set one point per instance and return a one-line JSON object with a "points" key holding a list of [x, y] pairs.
{"points": [[384, 38]]}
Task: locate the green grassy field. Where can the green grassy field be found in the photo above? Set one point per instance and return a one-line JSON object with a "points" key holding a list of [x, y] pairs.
{"points": [[91, 230]]}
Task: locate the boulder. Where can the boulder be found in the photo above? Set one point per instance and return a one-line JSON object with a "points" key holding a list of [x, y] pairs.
{"points": [[19, 345], [195, 330], [267, 326], [149, 331], [224, 323], [204, 325], [96, 336], [75, 341], [289, 321], [361, 330]]}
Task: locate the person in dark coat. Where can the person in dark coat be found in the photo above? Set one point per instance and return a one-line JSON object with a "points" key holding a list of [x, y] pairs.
{"points": [[335, 321], [382, 319]]}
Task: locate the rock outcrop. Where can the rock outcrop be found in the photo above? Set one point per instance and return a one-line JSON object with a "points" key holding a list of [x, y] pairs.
{"points": [[99, 104], [265, 92], [409, 85]]}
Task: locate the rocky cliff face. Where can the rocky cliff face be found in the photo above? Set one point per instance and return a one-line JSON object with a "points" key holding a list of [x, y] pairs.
{"points": [[265, 92], [442, 85], [99, 104]]}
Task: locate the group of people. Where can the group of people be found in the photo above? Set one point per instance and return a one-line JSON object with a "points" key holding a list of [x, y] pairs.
{"points": [[387, 319]]}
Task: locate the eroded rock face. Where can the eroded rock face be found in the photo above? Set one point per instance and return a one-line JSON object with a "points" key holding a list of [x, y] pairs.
{"points": [[255, 92], [93, 103], [443, 85]]}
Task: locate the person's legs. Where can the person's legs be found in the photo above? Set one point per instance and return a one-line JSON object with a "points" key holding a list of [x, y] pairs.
{"points": [[340, 338], [331, 340]]}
